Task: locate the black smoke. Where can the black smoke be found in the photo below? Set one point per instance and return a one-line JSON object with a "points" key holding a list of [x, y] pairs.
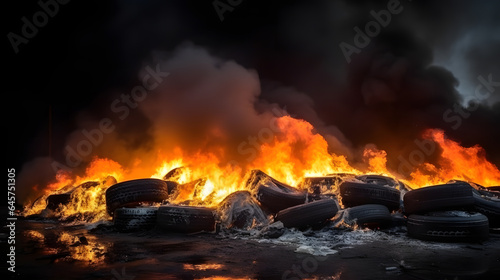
{"points": [[401, 83]]}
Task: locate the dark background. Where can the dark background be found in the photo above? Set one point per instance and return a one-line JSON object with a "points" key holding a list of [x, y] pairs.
{"points": [[92, 48]]}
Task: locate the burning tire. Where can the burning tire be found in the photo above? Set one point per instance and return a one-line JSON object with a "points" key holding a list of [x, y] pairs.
{"points": [[322, 184], [276, 198], [308, 214], [186, 219], [490, 207], [257, 177], [134, 219], [240, 210], [369, 215], [378, 180], [451, 226], [439, 197], [356, 193], [135, 191]]}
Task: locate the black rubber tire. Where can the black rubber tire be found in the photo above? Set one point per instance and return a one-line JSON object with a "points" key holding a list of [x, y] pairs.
{"points": [[355, 194], [439, 197], [448, 228], [186, 219], [274, 199], [490, 207], [135, 191], [369, 215], [378, 180], [490, 193], [54, 201], [398, 219], [308, 214], [174, 174], [257, 177], [134, 219], [172, 186]]}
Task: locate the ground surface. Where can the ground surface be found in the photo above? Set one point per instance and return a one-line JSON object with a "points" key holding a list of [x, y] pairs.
{"points": [[48, 250]]}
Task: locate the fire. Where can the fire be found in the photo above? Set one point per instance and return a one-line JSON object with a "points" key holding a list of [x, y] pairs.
{"points": [[89, 251], [377, 160], [168, 166], [63, 179], [101, 168], [296, 151], [456, 162], [87, 193]]}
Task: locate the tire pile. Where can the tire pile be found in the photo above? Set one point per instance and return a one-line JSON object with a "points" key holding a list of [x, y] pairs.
{"points": [[369, 200], [453, 212], [124, 200]]}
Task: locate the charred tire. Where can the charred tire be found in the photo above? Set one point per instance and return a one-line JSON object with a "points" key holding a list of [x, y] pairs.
{"points": [[494, 188], [398, 219], [370, 215], [186, 219], [308, 214], [355, 194], [240, 210], [319, 185], [135, 191], [172, 186], [439, 197], [55, 200], [134, 219], [448, 228], [490, 207], [276, 199]]}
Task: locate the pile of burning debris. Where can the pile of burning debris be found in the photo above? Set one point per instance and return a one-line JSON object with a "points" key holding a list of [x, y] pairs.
{"points": [[454, 212]]}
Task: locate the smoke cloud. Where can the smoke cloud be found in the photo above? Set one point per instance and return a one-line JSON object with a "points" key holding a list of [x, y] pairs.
{"points": [[263, 58]]}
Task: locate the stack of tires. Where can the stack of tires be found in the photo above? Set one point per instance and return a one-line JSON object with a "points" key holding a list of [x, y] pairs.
{"points": [[289, 205], [451, 212], [369, 200], [125, 203]]}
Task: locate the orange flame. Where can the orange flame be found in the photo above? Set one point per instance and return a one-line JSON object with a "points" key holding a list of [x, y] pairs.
{"points": [[291, 154], [377, 160], [298, 152], [456, 162]]}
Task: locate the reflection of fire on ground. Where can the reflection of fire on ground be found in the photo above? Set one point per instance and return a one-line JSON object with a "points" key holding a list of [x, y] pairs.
{"points": [[67, 247], [83, 248]]}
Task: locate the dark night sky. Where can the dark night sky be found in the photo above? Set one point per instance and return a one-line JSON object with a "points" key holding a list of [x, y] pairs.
{"points": [[426, 60]]}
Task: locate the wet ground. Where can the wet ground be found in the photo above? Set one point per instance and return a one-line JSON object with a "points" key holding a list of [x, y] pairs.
{"points": [[48, 250]]}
